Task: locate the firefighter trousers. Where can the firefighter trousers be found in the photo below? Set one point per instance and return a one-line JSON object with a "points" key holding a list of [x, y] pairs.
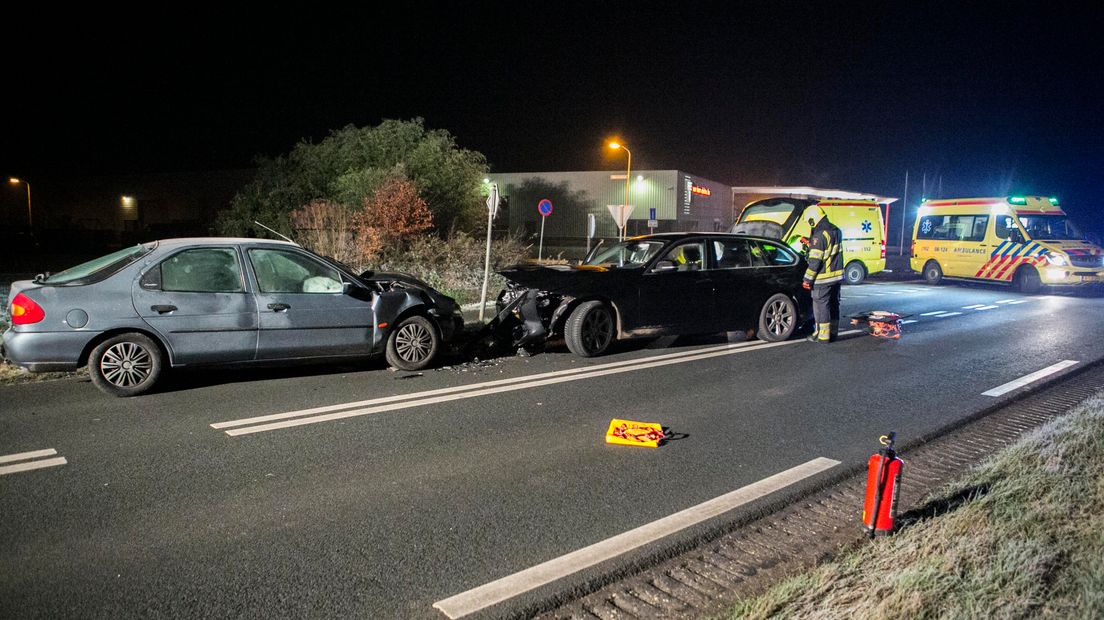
{"points": [[826, 310]]}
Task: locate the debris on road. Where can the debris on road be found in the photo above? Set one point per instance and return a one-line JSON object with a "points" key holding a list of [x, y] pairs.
{"points": [[629, 433], [880, 323], [476, 365], [411, 376]]}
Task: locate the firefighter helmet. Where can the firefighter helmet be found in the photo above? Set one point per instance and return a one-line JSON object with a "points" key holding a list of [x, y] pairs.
{"points": [[813, 214]]}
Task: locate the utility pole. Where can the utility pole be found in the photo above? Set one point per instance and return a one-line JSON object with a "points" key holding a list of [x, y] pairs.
{"points": [[904, 212]]}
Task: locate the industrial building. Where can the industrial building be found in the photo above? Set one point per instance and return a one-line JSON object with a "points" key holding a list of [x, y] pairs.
{"points": [[662, 200]]}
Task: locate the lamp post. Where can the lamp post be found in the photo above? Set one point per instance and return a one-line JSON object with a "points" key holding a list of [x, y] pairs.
{"points": [[15, 181], [628, 173]]}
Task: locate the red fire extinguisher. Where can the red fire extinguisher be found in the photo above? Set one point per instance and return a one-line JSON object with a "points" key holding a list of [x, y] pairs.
{"points": [[883, 476]]}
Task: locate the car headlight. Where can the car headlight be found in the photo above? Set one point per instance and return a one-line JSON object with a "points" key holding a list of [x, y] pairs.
{"points": [[1058, 260]]}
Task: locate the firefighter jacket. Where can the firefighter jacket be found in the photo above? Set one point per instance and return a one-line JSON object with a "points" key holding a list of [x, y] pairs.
{"points": [[825, 254]]}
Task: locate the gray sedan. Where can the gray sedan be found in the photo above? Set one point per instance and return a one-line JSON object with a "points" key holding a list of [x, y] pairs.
{"points": [[192, 302]]}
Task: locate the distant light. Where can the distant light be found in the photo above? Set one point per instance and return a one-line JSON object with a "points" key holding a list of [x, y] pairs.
{"points": [[614, 145], [486, 180], [14, 181], [1054, 201], [1018, 200], [639, 177], [128, 200]]}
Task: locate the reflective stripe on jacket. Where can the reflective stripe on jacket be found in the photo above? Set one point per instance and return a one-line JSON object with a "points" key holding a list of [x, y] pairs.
{"points": [[825, 254]]}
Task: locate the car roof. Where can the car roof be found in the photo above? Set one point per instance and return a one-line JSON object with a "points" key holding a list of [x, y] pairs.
{"points": [[182, 241]]}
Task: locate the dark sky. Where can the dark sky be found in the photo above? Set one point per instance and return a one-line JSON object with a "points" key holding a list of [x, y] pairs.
{"points": [[994, 99]]}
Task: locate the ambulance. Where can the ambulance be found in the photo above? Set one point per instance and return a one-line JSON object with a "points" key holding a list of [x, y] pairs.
{"points": [[1025, 241], [858, 216]]}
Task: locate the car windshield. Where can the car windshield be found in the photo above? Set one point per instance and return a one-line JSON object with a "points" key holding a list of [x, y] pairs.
{"points": [[1050, 227], [627, 253], [104, 265], [777, 212]]}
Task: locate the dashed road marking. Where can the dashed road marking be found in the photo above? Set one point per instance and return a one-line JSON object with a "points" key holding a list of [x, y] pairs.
{"points": [[945, 315], [1028, 379], [30, 463], [933, 313], [972, 307], [508, 587], [907, 321], [986, 308]]}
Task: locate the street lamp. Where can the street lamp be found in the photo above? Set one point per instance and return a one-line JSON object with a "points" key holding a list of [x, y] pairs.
{"points": [[15, 181], [628, 173]]}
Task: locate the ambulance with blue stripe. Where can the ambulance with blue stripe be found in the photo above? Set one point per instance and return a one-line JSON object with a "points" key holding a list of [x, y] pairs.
{"points": [[1025, 241]]}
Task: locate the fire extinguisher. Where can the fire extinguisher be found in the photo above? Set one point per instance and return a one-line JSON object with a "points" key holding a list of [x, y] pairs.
{"points": [[883, 476]]}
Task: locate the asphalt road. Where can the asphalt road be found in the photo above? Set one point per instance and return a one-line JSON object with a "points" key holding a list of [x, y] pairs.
{"points": [[395, 506]]}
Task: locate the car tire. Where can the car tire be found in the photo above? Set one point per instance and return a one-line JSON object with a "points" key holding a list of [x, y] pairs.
{"points": [[590, 329], [1027, 281], [854, 273], [413, 344], [933, 273], [778, 318], [125, 365]]}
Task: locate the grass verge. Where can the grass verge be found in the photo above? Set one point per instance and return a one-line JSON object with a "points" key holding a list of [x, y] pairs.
{"points": [[1020, 536], [14, 375]]}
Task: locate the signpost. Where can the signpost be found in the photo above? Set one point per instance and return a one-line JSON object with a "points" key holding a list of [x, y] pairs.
{"points": [[620, 215], [652, 221], [544, 207], [492, 210], [592, 227]]}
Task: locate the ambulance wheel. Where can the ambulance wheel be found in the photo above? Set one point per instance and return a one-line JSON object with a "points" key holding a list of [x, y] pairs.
{"points": [[590, 329], [778, 318], [855, 272], [1027, 281], [932, 272]]}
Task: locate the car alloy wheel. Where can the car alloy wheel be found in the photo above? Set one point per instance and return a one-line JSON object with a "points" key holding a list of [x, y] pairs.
{"points": [[597, 330], [590, 329], [414, 344], [126, 364], [778, 318]]}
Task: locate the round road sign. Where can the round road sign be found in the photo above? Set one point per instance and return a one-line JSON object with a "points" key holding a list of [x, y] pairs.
{"points": [[545, 207]]}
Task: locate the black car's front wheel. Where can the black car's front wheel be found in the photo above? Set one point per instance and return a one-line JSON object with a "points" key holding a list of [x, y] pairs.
{"points": [[590, 329], [125, 365], [413, 344], [778, 318]]}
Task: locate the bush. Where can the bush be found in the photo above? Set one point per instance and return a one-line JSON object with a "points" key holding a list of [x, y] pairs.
{"points": [[454, 265]]}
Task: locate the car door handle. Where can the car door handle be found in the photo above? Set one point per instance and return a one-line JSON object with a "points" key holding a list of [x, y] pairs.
{"points": [[277, 307], [163, 309]]}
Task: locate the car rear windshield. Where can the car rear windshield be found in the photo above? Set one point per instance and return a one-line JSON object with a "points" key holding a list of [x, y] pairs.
{"points": [[100, 268]]}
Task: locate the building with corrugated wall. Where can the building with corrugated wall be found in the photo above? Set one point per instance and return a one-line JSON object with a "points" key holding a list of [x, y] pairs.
{"points": [[672, 200]]}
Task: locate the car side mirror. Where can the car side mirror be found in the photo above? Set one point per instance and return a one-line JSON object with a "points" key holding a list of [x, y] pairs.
{"points": [[664, 265]]}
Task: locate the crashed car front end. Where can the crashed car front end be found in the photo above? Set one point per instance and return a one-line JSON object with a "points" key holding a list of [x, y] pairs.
{"points": [[529, 316]]}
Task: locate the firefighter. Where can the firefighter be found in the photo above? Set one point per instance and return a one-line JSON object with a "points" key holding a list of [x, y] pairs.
{"points": [[825, 273]]}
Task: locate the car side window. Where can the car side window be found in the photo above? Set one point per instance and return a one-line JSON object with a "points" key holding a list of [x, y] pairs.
{"points": [[687, 256], [774, 254], [202, 270], [737, 253], [283, 271]]}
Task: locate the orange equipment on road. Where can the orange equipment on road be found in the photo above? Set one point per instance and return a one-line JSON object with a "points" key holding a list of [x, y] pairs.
{"points": [[881, 324], [883, 477], [629, 433]]}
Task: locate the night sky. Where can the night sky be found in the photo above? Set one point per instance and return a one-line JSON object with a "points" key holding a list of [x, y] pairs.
{"points": [[994, 99]]}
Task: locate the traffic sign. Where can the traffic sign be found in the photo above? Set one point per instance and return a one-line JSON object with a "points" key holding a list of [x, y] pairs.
{"points": [[620, 213], [545, 207], [492, 200]]}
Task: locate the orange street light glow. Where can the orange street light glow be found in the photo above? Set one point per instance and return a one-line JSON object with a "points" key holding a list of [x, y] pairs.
{"points": [[13, 181]]}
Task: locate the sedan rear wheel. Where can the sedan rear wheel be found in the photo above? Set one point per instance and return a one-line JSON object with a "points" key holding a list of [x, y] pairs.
{"points": [[413, 344], [126, 365], [590, 329], [778, 318]]}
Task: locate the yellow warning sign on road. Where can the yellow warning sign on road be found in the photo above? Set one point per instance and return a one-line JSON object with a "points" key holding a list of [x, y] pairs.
{"points": [[629, 433]]}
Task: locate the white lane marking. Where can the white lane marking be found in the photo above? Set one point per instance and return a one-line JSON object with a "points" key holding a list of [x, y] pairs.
{"points": [[972, 307], [23, 456], [943, 316], [1018, 301], [407, 404], [907, 321], [933, 313], [475, 386], [986, 308], [1004, 301], [508, 587], [1031, 378], [12, 469]]}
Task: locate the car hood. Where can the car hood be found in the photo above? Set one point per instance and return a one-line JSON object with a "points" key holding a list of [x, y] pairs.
{"points": [[556, 277]]}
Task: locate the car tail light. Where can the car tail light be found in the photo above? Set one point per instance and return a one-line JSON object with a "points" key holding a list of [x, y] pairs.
{"points": [[25, 311], [883, 248]]}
